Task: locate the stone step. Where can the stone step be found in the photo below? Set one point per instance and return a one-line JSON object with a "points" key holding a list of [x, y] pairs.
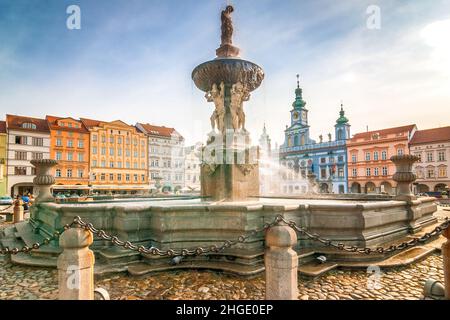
{"points": [[315, 269], [29, 237], [140, 269], [34, 261]]}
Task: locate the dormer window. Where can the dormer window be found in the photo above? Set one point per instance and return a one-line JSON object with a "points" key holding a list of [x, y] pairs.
{"points": [[28, 125]]}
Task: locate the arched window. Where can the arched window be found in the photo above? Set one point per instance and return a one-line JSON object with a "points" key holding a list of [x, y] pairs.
{"points": [[296, 141], [340, 135]]}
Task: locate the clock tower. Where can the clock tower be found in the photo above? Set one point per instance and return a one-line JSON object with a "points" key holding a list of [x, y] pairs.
{"points": [[299, 114]]}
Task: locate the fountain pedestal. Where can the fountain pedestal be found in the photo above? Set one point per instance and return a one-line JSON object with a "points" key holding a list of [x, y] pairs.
{"points": [[404, 176], [44, 179]]}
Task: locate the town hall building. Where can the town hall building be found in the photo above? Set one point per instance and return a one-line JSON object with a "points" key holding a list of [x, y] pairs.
{"points": [[300, 155]]}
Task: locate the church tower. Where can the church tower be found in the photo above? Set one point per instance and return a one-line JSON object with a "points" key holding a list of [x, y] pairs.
{"points": [[342, 127], [298, 133], [265, 142]]}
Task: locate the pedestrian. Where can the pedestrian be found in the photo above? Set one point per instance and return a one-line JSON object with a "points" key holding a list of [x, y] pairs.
{"points": [[26, 202]]}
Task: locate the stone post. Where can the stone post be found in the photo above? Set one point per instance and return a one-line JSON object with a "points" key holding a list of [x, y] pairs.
{"points": [[44, 179], [18, 211], [446, 259], [76, 265], [281, 263], [404, 176]]}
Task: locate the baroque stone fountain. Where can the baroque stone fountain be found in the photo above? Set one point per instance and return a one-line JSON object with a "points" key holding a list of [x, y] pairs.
{"points": [[230, 206]]}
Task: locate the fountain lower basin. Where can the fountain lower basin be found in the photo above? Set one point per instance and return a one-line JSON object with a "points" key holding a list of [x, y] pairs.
{"points": [[178, 224]]}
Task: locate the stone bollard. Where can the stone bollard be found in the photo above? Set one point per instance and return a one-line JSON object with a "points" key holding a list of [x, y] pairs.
{"points": [[76, 265], [446, 259], [281, 263], [18, 211]]}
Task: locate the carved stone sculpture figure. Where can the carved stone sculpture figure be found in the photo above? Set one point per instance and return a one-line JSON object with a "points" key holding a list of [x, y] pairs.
{"points": [[227, 26], [216, 95], [238, 95]]}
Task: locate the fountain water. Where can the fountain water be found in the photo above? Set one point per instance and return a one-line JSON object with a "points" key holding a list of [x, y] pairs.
{"points": [[230, 180]]}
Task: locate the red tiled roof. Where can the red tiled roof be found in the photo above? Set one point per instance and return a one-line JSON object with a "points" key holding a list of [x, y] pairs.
{"points": [[156, 130], [384, 131], [431, 135], [16, 122], [2, 126], [53, 125], [89, 123]]}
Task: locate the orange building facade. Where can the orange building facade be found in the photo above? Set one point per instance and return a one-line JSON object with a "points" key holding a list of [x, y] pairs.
{"points": [[369, 167], [69, 145], [118, 157]]}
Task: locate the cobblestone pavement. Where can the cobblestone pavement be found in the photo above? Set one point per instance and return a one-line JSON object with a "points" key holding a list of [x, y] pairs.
{"points": [[403, 283]]}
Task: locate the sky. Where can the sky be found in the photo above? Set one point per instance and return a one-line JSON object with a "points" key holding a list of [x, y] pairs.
{"points": [[132, 60]]}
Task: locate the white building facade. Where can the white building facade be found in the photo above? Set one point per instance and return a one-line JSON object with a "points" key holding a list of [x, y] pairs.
{"points": [[165, 158], [192, 164], [28, 139], [433, 148]]}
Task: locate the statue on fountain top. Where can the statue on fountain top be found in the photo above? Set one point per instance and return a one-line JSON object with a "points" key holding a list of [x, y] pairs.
{"points": [[227, 49]]}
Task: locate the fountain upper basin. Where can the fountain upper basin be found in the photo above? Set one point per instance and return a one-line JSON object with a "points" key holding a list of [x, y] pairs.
{"points": [[229, 71]]}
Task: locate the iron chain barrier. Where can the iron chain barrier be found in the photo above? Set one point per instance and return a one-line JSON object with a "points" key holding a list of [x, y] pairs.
{"points": [[279, 220], [7, 208]]}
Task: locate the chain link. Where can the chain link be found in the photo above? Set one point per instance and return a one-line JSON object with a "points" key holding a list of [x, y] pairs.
{"points": [[279, 220], [379, 250]]}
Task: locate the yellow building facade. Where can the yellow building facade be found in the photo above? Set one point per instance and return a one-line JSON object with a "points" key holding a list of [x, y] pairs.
{"points": [[118, 158], [3, 157]]}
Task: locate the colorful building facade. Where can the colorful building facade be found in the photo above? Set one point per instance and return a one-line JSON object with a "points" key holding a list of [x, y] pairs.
{"points": [[69, 145], [369, 167], [118, 158], [3, 157], [28, 139], [300, 155], [433, 149]]}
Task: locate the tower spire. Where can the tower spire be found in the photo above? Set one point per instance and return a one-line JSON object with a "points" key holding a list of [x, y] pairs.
{"points": [[298, 81]]}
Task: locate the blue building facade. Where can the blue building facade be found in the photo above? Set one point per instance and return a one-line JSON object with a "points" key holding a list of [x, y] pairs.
{"points": [[301, 155]]}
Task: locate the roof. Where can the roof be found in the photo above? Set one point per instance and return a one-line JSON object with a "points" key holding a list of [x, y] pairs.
{"points": [[2, 126], [431, 135], [53, 125], [150, 129], [15, 122], [89, 123], [382, 132]]}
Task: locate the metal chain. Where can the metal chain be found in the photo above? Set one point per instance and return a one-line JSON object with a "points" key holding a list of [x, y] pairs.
{"points": [[3, 210], [171, 252], [379, 250]]}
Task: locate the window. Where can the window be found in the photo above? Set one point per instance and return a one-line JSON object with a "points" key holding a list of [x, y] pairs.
{"points": [[368, 172], [143, 177], [375, 156], [21, 155], [367, 156], [111, 177], [80, 173], [354, 159], [111, 151], [341, 159], [400, 152], [384, 155], [127, 177], [103, 138], [135, 165], [58, 173], [20, 171], [69, 156], [58, 142], [103, 151], [135, 178], [94, 163], [127, 165], [28, 125], [354, 172], [70, 143], [442, 172], [331, 159], [21, 140], [103, 164], [111, 139], [94, 137], [119, 140], [142, 165], [430, 173], [111, 164], [430, 156], [127, 152], [69, 173], [323, 160], [441, 156], [375, 172], [102, 177], [119, 164], [81, 157], [341, 172], [80, 144], [119, 152], [94, 150], [384, 171], [119, 177], [323, 173], [419, 155], [37, 155], [38, 142]]}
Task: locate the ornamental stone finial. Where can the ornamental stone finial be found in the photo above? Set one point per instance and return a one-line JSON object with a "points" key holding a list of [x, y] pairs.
{"points": [[44, 179]]}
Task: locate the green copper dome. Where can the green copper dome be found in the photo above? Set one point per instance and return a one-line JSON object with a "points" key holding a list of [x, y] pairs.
{"points": [[299, 103], [342, 119]]}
